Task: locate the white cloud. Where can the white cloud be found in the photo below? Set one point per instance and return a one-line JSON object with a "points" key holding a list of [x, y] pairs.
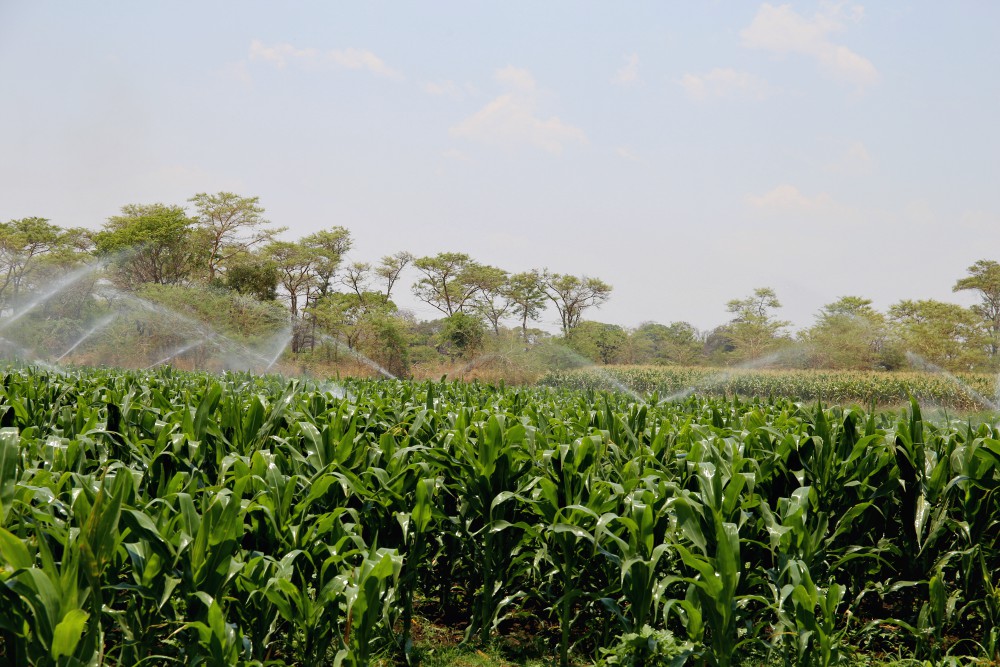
{"points": [[515, 77], [788, 199], [626, 153], [513, 118], [449, 88], [855, 159], [782, 30], [724, 83], [628, 73], [281, 54]]}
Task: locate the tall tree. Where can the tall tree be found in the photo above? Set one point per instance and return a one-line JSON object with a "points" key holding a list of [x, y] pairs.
{"points": [[573, 295], [492, 301], [984, 278], [330, 246], [357, 278], [526, 293], [598, 341], [447, 281], [754, 330], [391, 267], [944, 334], [149, 243], [295, 263], [462, 335], [22, 243], [253, 275], [848, 333], [677, 343], [232, 225]]}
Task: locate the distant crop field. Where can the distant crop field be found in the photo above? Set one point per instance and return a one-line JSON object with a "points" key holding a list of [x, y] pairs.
{"points": [[164, 517], [964, 391]]}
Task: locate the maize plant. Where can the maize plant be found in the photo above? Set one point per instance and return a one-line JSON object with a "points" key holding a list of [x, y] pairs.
{"points": [[161, 517]]}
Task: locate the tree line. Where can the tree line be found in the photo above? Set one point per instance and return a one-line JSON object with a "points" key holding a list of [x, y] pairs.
{"points": [[226, 244], [847, 334], [223, 245]]}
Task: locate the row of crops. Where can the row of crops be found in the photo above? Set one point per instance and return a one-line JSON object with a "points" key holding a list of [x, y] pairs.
{"points": [[169, 518], [965, 391]]}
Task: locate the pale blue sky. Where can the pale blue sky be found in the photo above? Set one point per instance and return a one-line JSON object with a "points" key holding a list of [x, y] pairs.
{"points": [[684, 152]]}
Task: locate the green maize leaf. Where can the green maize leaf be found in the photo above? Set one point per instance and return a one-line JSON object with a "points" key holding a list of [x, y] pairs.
{"points": [[14, 552], [68, 633]]}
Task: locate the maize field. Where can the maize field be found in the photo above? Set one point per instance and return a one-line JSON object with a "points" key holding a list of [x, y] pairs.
{"points": [[964, 391], [182, 518]]}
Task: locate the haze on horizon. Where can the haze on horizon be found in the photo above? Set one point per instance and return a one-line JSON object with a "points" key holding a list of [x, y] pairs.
{"points": [[685, 154]]}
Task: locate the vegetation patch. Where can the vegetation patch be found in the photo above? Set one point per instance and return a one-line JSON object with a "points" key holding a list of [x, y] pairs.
{"points": [[189, 518], [962, 391]]}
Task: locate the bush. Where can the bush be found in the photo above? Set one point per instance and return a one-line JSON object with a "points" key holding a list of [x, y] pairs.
{"points": [[648, 648]]}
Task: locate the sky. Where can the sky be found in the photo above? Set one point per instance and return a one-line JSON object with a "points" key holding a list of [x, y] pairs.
{"points": [[684, 152]]}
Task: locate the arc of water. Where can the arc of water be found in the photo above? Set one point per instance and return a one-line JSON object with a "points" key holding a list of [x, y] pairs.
{"points": [[66, 281], [335, 389], [21, 352], [284, 338], [179, 351], [103, 323], [590, 366], [723, 376], [207, 333], [338, 344], [917, 360]]}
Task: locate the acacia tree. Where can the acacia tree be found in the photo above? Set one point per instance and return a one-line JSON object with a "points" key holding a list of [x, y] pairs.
{"points": [[526, 294], [253, 275], [358, 277], [329, 246], [232, 225], [848, 333], [391, 267], [598, 341], [23, 244], [573, 295], [754, 330], [294, 263], [149, 243], [679, 343], [491, 301], [984, 278], [944, 334], [449, 281]]}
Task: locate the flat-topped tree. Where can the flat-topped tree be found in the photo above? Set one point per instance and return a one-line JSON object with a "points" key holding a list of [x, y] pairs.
{"points": [[940, 333], [150, 243], [330, 246], [358, 277], [572, 295], [391, 267], [849, 333], [255, 275], [754, 329], [492, 301], [295, 263], [23, 244], [526, 294], [450, 281], [232, 225], [678, 343], [984, 278]]}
